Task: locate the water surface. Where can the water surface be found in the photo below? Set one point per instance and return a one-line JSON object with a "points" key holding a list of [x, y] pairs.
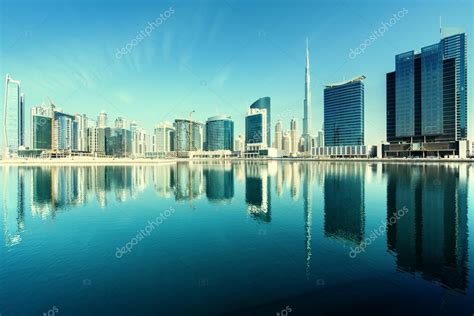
{"points": [[242, 238]]}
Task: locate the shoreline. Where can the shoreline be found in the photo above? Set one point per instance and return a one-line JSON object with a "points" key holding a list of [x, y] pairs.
{"points": [[148, 161]]}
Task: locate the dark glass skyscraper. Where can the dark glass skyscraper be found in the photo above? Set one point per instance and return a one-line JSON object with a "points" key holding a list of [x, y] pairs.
{"points": [[264, 103], [220, 133], [344, 113], [427, 99]]}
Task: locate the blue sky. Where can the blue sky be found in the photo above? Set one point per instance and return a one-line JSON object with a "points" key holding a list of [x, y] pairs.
{"points": [[214, 57]]}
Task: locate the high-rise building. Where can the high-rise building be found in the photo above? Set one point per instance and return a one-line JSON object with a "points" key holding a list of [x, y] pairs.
{"points": [[220, 133], [239, 144], [344, 113], [256, 130], [164, 139], [139, 142], [320, 138], [82, 124], [40, 128], [286, 144], [96, 138], [65, 131], [118, 142], [120, 122], [189, 135], [265, 104], [294, 137], [307, 119], [102, 120], [13, 117], [278, 136], [427, 100]]}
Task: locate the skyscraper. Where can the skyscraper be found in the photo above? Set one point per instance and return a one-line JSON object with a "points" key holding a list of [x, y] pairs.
{"points": [[220, 133], [294, 137], [189, 135], [256, 129], [427, 100], [265, 103], [102, 120], [82, 124], [40, 128], [13, 117], [164, 137], [307, 127], [278, 136], [344, 113]]}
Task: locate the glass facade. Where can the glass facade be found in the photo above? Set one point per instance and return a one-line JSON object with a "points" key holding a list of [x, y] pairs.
{"points": [[253, 128], [220, 133], [432, 90], [390, 99], [41, 132], [344, 114], [455, 47], [118, 142], [185, 131], [404, 95], [265, 103], [430, 99]]}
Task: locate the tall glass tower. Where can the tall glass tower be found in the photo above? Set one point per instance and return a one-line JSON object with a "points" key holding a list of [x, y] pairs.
{"points": [[264, 103], [307, 127], [220, 133], [13, 117], [344, 113], [427, 99]]}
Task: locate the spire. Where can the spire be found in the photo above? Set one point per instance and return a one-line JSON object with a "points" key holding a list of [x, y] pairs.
{"points": [[307, 95]]}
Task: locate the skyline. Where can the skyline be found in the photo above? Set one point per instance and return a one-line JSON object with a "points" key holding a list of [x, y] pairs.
{"points": [[178, 75]]}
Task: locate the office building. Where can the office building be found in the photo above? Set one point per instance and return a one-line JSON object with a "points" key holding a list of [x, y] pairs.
{"points": [[294, 138], [118, 142], [13, 117], [96, 139], [265, 104], [82, 125], [426, 100], [164, 138], [220, 133], [189, 135], [239, 144], [40, 128], [64, 131], [139, 141], [344, 113], [278, 136], [256, 130], [102, 120]]}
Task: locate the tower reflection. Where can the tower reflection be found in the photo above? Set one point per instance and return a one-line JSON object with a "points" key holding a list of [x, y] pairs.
{"points": [[344, 207], [432, 238], [258, 191]]}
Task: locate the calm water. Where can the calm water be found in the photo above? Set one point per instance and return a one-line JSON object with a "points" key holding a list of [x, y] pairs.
{"points": [[237, 238]]}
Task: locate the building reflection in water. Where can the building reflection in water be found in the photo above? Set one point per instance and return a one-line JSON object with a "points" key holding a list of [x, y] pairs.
{"points": [[13, 215], [219, 182], [308, 172], [432, 237], [344, 207], [258, 191]]}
